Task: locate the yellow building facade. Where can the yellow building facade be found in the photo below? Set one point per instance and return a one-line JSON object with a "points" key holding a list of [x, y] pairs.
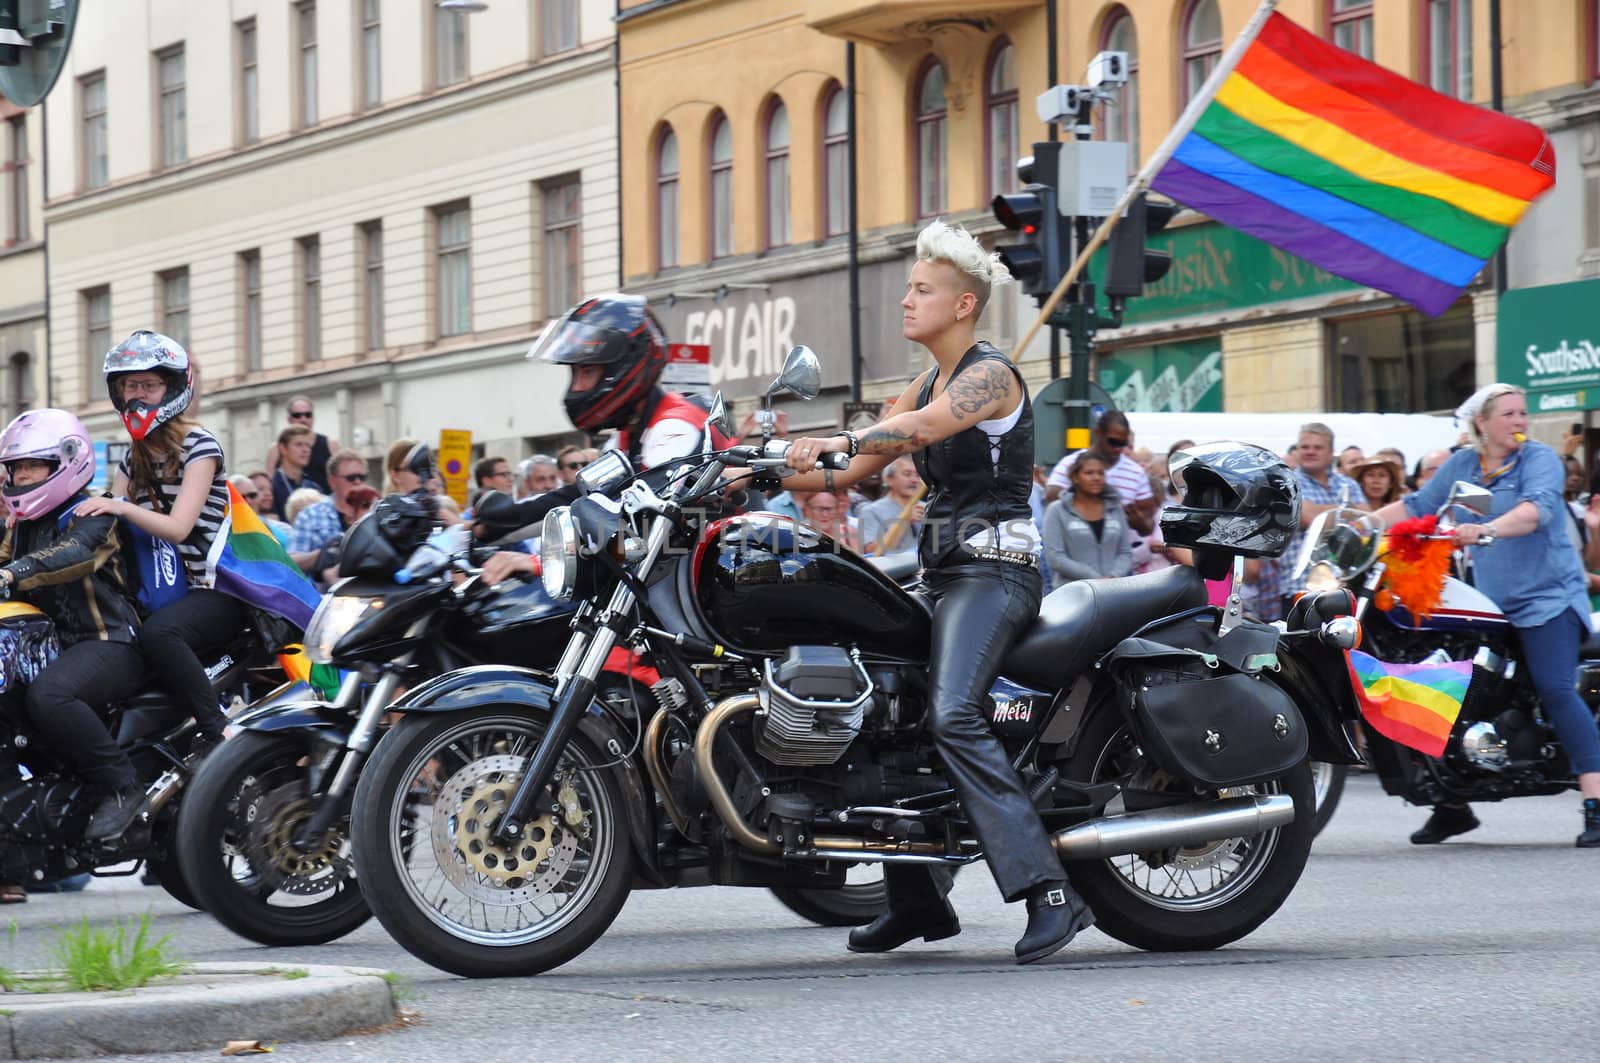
{"points": [[731, 147]]}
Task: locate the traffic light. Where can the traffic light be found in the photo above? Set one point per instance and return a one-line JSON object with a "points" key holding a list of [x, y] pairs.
{"points": [[1130, 265], [1038, 264]]}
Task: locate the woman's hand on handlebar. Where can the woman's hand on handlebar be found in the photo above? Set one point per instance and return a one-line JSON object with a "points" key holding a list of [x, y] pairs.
{"points": [[508, 564], [806, 452], [1471, 534]]}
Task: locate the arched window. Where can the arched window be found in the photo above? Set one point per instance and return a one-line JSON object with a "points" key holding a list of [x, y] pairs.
{"points": [[777, 175], [836, 161], [932, 150], [1448, 33], [1121, 120], [1350, 25], [1202, 45], [721, 187], [1000, 104], [667, 200]]}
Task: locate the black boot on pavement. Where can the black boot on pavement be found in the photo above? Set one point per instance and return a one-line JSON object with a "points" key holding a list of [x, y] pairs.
{"points": [[116, 813], [1055, 915], [1446, 822], [893, 929], [1590, 838]]}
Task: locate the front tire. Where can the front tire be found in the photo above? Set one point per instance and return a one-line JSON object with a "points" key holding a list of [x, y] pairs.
{"points": [[246, 801], [449, 896], [1199, 897]]}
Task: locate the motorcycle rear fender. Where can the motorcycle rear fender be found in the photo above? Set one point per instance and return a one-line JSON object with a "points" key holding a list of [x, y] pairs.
{"points": [[494, 685]]}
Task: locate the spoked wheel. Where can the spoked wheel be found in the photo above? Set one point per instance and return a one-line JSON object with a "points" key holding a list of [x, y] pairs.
{"points": [[858, 902], [449, 894], [1327, 783], [242, 812], [1196, 897]]}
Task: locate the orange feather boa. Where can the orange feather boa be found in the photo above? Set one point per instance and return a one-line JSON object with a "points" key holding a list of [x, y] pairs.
{"points": [[1416, 567]]}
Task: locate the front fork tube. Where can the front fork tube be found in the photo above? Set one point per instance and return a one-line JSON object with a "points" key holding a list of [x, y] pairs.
{"points": [[576, 694], [357, 746]]}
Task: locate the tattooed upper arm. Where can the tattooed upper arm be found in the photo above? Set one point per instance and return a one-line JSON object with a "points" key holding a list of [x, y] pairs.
{"points": [[980, 388]]}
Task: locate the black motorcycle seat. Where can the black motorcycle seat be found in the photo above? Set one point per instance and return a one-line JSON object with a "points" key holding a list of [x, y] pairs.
{"points": [[902, 567], [1079, 622]]}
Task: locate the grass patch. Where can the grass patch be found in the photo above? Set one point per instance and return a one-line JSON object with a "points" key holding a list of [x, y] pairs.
{"points": [[121, 958], [401, 988]]}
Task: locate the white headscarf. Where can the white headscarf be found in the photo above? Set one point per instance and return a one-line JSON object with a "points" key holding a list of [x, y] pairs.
{"points": [[1467, 412]]}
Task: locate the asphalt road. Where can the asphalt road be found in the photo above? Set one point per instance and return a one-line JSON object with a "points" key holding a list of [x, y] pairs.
{"points": [[1477, 949]]}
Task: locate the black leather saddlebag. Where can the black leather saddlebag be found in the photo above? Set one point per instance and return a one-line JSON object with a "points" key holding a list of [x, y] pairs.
{"points": [[1201, 706]]}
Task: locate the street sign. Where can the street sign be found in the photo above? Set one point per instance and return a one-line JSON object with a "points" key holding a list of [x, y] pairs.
{"points": [[688, 368], [34, 38], [455, 461]]}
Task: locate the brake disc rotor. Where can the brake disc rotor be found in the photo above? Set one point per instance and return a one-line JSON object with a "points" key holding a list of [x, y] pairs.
{"points": [[278, 814], [466, 810]]}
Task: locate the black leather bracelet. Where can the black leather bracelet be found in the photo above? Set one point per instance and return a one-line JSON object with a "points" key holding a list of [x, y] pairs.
{"points": [[855, 444]]}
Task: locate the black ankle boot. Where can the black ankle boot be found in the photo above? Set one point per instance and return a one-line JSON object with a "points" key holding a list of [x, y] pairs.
{"points": [[1055, 915], [1446, 822], [893, 929], [1590, 838], [116, 813]]}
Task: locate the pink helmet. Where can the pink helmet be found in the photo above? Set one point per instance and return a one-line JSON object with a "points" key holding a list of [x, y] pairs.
{"points": [[54, 436]]}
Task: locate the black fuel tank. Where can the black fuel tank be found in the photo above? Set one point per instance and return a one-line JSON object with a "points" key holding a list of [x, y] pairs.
{"points": [[764, 583]]}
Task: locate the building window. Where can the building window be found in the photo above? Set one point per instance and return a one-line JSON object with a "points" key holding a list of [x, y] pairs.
{"points": [[560, 26], [249, 85], [96, 162], [563, 249], [310, 249], [17, 168], [667, 201], [96, 304], [1121, 114], [449, 48], [371, 53], [1402, 362], [1000, 104], [721, 187], [250, 319], [778, 229], [1202, 45], [305, 21], [932, 150], [454, 269], [175, 304], [372, 283], [1350, 25], [1449, 47], [836, 161], [174, 108]]}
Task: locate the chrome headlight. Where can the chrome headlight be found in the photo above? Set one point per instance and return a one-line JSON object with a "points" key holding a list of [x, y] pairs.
{"points": [[1322, 577], [333, 620], [558, 554]]}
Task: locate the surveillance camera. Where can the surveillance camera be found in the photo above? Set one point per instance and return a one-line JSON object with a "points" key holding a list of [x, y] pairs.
{"points": [[1060, 104], [1109, 69]]}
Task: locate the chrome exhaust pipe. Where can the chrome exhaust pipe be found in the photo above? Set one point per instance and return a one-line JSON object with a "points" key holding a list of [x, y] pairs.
{"points": [[1174, 827]]}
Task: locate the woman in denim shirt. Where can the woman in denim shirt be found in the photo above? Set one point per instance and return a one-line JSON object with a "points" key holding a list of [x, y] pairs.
{"points": [[1531, 572]]}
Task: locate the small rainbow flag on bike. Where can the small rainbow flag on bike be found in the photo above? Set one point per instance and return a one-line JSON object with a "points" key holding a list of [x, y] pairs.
{"points": [[1413, 704]]}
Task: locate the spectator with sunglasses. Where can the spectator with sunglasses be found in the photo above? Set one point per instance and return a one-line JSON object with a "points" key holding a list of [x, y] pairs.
{"points": [[1112, 442], [492, 474], [302, 413], [323, 524], [570, 460]]}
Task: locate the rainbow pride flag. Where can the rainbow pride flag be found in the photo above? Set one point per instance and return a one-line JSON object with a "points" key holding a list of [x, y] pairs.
{"points": [[248, 562], [1356, 169], [1413, 704], [322, 678]]}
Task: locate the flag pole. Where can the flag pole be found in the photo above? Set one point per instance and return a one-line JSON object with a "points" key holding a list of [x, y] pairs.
{"points": [[1147, 172]]}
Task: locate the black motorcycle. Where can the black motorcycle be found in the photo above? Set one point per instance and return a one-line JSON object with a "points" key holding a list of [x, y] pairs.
{"points": [[265, 842], [505, 817], [1501, 746], [45, 806]]}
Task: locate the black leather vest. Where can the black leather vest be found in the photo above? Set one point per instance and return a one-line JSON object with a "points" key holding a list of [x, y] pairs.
{"points": [[969, 488]]}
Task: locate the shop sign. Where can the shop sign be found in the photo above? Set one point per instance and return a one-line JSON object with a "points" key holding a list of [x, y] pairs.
{"points": [[1548, 342], [1217, 268], [1170, 378]]}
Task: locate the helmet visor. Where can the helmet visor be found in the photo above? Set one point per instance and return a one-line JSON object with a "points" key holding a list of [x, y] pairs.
{"points": [[570, 342]]}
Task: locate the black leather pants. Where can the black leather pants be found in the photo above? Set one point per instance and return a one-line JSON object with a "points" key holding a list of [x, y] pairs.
{"points": [[980, 610]]}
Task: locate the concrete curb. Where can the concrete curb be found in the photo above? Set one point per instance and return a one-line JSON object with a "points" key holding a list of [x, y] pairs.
{"points": [[211, 1004]]}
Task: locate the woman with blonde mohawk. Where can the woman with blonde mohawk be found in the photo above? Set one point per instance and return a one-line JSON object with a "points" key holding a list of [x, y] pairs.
{"points": [[969, 425]]}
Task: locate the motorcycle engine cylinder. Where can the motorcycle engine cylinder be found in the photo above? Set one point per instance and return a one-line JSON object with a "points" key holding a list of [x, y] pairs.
{"points": [[814, 701]]}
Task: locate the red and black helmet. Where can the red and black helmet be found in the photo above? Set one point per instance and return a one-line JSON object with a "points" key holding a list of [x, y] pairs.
{"points": [[147, 351], [619, 333]]}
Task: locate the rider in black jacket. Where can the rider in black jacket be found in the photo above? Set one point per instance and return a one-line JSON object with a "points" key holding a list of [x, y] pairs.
{"points": [[969, 423], [71, 568]]}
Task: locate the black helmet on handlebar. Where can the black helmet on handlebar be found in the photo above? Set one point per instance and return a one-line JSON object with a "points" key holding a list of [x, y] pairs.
{"points": [[619, 334], [1237, 498]]}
